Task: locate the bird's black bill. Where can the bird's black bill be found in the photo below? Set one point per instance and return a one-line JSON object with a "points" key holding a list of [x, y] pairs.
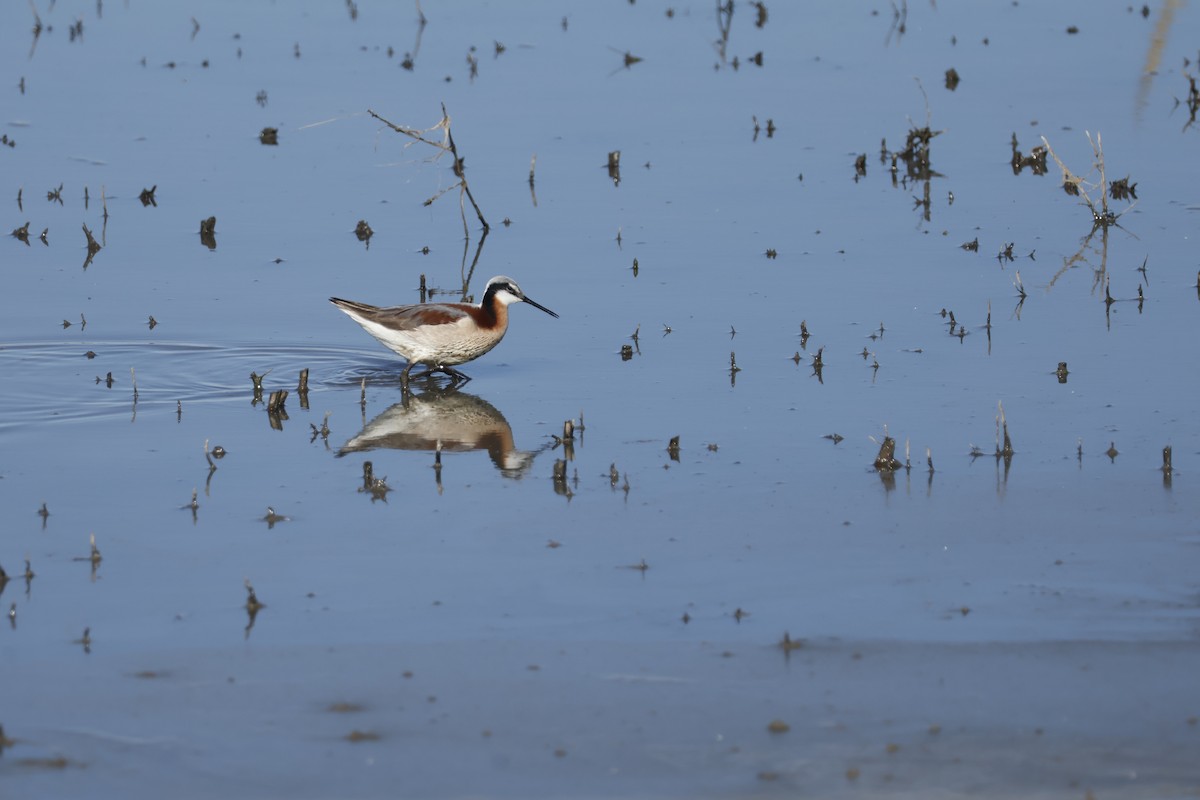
{"points": [[542, 307]]}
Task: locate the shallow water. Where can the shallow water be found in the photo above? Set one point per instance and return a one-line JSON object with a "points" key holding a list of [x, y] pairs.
{"points": [[1009, 627]]}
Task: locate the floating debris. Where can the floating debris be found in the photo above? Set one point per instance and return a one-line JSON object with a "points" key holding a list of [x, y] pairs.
{"points": [[1035, 161], [1093, 194], [561, 485], [256, 380], [1122, 189], [208, 233], [322, 431], [94, 557], [818, 364], [377, 488], [302, 390], [1006, 449], [193, 506], [252, 601], [253, 606], [363, 232], [92, 245], [275, 403], [886, 460], [787, 644]]}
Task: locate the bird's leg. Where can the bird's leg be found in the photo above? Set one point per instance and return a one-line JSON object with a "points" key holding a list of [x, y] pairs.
{"points": [[456, 378], [404, 378]]}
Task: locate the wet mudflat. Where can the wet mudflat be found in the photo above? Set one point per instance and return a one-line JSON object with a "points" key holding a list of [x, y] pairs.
{"points": [[785, 236]]}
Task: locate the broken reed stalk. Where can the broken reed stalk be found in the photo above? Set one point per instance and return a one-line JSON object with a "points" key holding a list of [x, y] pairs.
{"points": [[446, 146], [257, 380], [886, 460], [252, 602], [92, 245], [276, 401], [1006, 450], [1078, 186], [532, 189]]}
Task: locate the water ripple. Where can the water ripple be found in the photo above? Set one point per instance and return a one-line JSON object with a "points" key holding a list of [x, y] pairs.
{"points": [[57, 381]]}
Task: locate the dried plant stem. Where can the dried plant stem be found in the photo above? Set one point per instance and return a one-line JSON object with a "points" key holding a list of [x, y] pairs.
{"points": [[446, 145], [1081, 187]]}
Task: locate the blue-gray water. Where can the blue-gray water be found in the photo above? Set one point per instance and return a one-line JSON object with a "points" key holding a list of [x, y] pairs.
{"points": [[1016, 629]]}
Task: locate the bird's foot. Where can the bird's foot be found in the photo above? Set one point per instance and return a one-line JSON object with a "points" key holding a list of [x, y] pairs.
{"points": [[456, 378]]}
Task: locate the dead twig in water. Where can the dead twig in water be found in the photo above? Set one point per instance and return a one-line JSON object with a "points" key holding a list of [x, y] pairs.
{"points": [[886, 460], [533, 192], [93, 246], [1094, 193], [1006, 450], [446, 145]]}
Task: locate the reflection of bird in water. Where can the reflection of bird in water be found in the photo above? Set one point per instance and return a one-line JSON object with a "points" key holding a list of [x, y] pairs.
{"points": [[461, 422], [440, 335]]}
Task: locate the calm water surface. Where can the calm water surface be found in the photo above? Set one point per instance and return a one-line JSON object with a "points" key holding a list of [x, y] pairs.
{"points": [[473, 627]]}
